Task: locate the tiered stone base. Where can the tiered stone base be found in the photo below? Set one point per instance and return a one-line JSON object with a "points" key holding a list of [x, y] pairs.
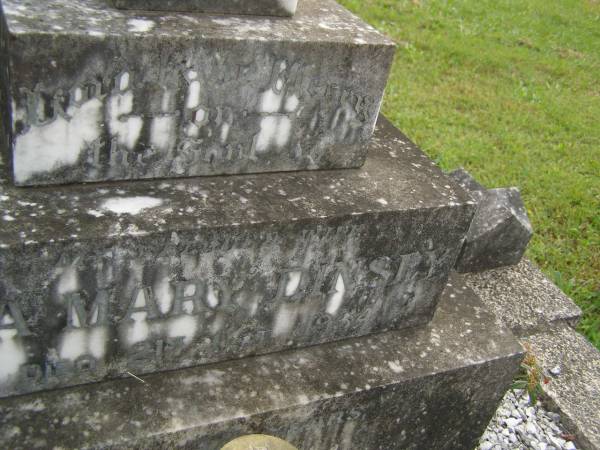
{"points": [[100, 280], [433, 387]]}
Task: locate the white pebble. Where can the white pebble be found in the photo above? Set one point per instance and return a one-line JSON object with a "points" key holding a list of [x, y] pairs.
{"points": [[511, 422], [555, 371]]}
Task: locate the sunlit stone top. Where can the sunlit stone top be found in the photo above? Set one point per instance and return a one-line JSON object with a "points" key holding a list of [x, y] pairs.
{"points": [[316, 20], [257, 7]]}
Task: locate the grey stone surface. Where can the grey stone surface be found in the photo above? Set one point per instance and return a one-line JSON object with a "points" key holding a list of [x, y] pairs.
{"points": [[523, 298], [423, 388], [97, 280], [542, 315], [5, 114], [499, 233], [574, 389], [259, 7], [470, 184], [97, 93]]}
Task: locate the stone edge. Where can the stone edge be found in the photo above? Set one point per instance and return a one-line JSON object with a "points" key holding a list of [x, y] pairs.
{"points": [[509, 353], [572, 365], [523, 298], [575, 391]]}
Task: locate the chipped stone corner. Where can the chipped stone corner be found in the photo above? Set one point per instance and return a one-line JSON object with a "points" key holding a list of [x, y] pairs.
{"points": [[500, 230]]}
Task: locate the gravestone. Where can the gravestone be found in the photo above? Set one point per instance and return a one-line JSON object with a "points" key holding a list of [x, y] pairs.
{"points": [[101, 280], [260, 7], [320, 299], [95, 93]]}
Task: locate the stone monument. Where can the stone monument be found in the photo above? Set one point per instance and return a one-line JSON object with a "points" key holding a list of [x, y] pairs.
{"points": [[320, 299]]}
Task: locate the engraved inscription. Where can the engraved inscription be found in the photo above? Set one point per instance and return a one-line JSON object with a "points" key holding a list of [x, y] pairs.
{"points": [[120, 311], [214, 113]]}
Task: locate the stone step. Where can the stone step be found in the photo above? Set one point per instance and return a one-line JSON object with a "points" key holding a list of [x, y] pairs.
{"points": [[99, 280], [430, 387], [94, 93], [257, 7]]}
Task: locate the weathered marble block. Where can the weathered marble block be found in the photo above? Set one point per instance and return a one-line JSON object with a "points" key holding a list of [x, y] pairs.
{"points": [[430, 387], [100, 280], [500, 231], [257, 7], [95, 93]]}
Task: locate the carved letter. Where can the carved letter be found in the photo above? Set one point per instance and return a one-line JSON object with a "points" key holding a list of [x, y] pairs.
{"points": [[292, 284], [183, 297], [142, 300], [12, 319], [78, 317], [408, 263]]}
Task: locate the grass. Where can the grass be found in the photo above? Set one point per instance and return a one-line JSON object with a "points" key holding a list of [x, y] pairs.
{"points": [[510, 89]]}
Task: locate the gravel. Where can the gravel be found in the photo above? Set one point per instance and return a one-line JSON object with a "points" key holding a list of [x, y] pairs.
{"points": [[518, 425]]}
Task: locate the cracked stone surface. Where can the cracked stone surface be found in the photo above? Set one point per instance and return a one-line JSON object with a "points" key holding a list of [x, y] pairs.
{"points": [[259, 7], [97, 93], [101, 279], [435, 386]]}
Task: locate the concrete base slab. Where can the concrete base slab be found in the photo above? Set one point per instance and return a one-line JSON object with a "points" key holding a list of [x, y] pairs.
{"points": [[523, 298], [536, 310], [573, 367], [430, 387]]}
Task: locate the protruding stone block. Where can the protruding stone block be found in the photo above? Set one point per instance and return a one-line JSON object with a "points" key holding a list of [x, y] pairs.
{"points": [[500, 230], [467, 182], [499, 233], [100, 280], [95, 93], [423, 388], [256, 7]]}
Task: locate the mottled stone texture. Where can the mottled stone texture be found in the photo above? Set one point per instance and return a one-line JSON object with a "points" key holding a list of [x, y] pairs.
{"points": [[499, 233], [467, 182], [108, 94], [5, 112], [258, 7], [500, 230], [523, 298], [431, 387], [98, 280]]}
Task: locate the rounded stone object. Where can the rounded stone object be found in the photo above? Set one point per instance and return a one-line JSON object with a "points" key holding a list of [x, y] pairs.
{"points": [[261, 441]]}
